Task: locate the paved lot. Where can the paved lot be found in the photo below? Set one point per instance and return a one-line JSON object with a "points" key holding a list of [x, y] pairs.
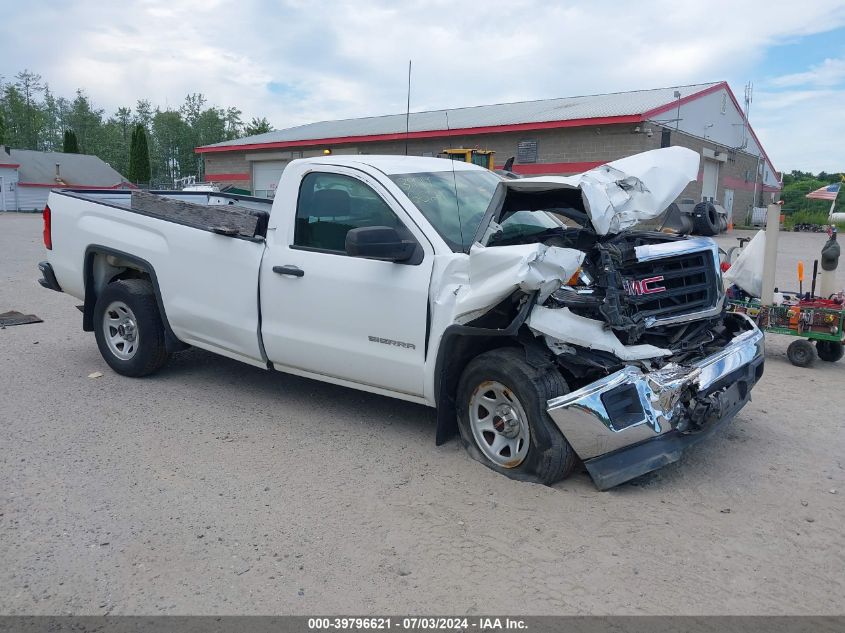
{"points": [[214, 487]]}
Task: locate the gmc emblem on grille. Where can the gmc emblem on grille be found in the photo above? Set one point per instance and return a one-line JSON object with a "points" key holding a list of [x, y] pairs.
{"points": [[645, 286]]}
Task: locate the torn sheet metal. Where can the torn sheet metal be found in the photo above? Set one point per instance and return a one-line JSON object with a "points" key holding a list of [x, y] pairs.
{"points": [[465, 287], [620, 194], [562, 326], [496, 272]]}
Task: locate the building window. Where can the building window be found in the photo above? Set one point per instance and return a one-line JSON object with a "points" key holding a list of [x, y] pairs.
{"points": [[666, 137], [526, 152]]}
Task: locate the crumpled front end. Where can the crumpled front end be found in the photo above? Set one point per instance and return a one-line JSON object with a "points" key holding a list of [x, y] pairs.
{"points": [[635, 421]]}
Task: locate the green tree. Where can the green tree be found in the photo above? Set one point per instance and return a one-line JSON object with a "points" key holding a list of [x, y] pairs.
{"points": [[52, 137], [174, 154], [87, 122], [123, 117], [203, 126], [14, 109], [139, 157], [144, 113], [192, 108], [71, 144], [797, 207], [33, 117], [258, 126], [233, 123], [131, 168], [2, 129], [29, 87], [115, 139]]}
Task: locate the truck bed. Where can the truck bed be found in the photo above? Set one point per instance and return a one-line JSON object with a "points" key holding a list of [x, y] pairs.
{"points": [[228, 214]]}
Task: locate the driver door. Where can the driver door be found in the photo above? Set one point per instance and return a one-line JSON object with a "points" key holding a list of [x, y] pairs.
{"points": [[325, 312]]}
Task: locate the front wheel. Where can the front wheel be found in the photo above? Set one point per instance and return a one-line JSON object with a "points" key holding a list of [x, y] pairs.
{"points": [[129, 329], [503, 421], [801, 353]]}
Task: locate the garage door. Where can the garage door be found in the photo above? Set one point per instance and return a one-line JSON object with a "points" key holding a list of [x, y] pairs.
{"points": [[710, 181], [265, 177]]}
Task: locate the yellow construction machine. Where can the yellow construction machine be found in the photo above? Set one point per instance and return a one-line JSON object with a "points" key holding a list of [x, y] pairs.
{"points": [[481, 157]]}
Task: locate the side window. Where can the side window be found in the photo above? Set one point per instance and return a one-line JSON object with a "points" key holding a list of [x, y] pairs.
{"points": [[330, 205]]}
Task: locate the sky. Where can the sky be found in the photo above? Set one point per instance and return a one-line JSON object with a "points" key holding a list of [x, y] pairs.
{"points": [[297, 61]]}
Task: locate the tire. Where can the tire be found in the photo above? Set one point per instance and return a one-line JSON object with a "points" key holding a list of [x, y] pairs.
{"points": [[801, 353], [129, 329], [537, 452], [829, 351], [705, 219]]}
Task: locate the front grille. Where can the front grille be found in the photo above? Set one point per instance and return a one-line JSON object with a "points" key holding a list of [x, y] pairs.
{"points": [[690, 280]]}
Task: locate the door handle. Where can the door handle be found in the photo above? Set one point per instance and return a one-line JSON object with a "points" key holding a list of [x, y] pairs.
{"points": [[293, 271]]}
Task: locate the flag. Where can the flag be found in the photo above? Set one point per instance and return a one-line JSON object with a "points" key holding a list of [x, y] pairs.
{"points": [[828, 192]]}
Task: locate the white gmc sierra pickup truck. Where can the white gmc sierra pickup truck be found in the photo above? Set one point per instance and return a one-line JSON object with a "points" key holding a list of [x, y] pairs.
{"points": [[532, 313]]}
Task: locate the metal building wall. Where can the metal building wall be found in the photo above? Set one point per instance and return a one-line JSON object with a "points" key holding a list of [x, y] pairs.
{"points": [[32, 198]]}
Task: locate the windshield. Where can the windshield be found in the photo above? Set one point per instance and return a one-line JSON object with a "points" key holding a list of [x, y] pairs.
{"points": [[433, 193], [522, 225]]}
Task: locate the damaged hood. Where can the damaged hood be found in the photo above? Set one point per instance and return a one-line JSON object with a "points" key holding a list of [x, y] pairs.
{"points": [[615, 196]]}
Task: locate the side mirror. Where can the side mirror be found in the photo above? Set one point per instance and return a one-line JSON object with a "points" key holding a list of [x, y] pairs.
{"points": [[379, 242]]}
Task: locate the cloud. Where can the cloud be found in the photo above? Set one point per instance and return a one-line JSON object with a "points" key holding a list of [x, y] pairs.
{"points": [[831, 72], [296, 61], [803, 130], [798, 117]]}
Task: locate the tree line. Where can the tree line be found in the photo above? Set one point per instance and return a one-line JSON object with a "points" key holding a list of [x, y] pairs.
{"points": [[797, 184], [33, 117]]}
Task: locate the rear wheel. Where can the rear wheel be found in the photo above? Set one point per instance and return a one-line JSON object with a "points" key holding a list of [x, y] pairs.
{"points": [[503, 420], [801, 353], [829, 351], [705, 219], [129, 329]]}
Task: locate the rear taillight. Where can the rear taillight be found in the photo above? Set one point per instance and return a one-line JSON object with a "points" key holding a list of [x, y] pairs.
{"points": [[48, 233]]}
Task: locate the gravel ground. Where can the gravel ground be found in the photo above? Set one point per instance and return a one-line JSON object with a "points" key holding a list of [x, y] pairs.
{"points": [[217, 488]]}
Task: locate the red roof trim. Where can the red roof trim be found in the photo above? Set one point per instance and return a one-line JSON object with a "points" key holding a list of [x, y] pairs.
{"points": [[232, 176], [53, 185], [516, 127], [399, 136], [9, 165]]}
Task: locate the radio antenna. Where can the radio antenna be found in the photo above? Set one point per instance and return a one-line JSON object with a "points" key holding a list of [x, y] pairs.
{"points": [[454, 180], [408, 109]]}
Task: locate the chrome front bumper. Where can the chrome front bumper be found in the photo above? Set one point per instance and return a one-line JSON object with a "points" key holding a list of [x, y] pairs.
{"points": [[606, 419]]}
